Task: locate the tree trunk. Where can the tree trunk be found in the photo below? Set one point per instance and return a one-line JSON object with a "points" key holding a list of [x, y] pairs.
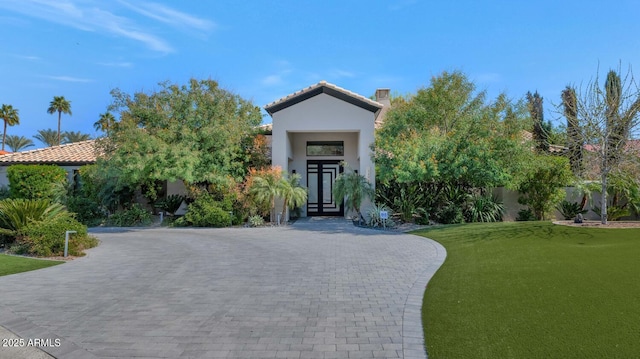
{"points": [[603, 199], [272, 212], [583, 202], [59, 116], [284, 209], [4, 134]]}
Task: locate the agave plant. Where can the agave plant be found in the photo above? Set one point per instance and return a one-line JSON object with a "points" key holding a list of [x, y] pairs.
{"points": [[171, 204], [16, 214], [569, 210], [376, 220]]}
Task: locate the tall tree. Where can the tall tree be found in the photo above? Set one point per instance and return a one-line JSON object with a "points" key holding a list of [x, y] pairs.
{"points": [[77, 136], [10, 117], [49, 137], [448, 142], [60, 105], [105, 122], [607, 116], [574, 137], [191, 132], [18, 143], [540, 132]]}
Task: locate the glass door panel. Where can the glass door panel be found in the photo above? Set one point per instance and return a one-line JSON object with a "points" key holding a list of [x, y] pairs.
{"points": [[320, 178]]}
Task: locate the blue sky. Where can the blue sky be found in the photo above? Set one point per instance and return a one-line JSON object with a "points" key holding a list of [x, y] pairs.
{"points": [[263, 50]]}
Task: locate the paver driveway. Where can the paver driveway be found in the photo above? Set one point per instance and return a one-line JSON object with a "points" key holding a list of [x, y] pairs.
{"points": [[317, 289]]}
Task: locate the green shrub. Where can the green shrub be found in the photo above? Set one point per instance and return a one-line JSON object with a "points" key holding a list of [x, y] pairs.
{"points": [[256, 221], [46, 238], [4, 192], [405, 199], [423, 217], [374, 219], [104, 188], [569, 210], [206, 212], [87, 211], [525, 215], [36, 181], [483, 208], [543, 184], [16, 214], [136, 215], [614, 213], [450, 214], [180, 222]]}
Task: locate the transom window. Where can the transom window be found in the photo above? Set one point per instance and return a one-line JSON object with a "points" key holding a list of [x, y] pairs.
{"points": [[325, 148]]}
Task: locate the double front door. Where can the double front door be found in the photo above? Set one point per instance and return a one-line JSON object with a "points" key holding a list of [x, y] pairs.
{"points": [[321, 175]]}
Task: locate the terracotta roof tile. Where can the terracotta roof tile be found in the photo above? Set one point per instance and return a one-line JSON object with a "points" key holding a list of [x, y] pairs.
{"points": [[72, 153]]}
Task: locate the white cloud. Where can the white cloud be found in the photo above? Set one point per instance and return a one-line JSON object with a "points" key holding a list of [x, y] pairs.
{"points": [[89, 15], [272, 80], [68, 79], [278, 77], [27, 57], [170, 16]]}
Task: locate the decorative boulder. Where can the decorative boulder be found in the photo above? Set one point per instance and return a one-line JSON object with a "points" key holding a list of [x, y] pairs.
{"points": [[579, 218]]}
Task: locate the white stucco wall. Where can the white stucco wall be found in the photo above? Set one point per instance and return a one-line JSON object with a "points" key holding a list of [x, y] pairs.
{"points": [[299, 146], [4, 181], [323, 118]]}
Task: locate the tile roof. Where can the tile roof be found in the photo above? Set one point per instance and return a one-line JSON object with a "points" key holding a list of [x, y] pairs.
{"points": [[630, 146], [323, 87], [77, 153]]}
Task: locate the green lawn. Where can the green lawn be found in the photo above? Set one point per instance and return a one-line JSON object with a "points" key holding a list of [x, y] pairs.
{"points": [[12, 265], [534, 290]]}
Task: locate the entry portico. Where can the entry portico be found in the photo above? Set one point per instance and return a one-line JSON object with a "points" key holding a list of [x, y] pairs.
{"points": [[314, 130]]}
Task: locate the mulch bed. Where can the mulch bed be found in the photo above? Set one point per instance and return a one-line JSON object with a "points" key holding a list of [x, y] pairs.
{"points": [[610, 224]]}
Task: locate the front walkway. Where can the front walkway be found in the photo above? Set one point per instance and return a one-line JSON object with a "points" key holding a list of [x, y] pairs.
{"points": [[320, 288]]}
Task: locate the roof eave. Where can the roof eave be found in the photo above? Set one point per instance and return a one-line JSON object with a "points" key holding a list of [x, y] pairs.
{"points": [[322, 88]]}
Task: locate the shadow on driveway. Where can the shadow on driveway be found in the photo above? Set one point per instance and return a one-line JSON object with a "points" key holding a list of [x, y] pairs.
{"points": [[311, 289]]}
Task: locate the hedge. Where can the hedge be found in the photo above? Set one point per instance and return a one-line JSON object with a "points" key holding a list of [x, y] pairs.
{"points": [[36, 181]]}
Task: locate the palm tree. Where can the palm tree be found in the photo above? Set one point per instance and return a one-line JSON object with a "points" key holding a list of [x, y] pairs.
{"points": [[71, 136], [60, 105], [10, 117], [352, 188], [293, 194], [104, 123], [574, 137], [49, 137], [265, 188], [18, 143]]}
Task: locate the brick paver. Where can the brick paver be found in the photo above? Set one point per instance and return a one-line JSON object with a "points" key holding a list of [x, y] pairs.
{"points": [[320, 288]]}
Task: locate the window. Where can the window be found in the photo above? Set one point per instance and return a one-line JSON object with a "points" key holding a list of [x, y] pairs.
{"points": [[325, 148]]}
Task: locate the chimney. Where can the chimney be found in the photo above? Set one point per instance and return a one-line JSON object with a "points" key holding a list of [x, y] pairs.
{"points": [[382, 97]]}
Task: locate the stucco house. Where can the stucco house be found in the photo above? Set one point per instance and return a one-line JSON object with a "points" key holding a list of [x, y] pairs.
{"points": [[69, 156], [315, 129], [312, 132]]}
